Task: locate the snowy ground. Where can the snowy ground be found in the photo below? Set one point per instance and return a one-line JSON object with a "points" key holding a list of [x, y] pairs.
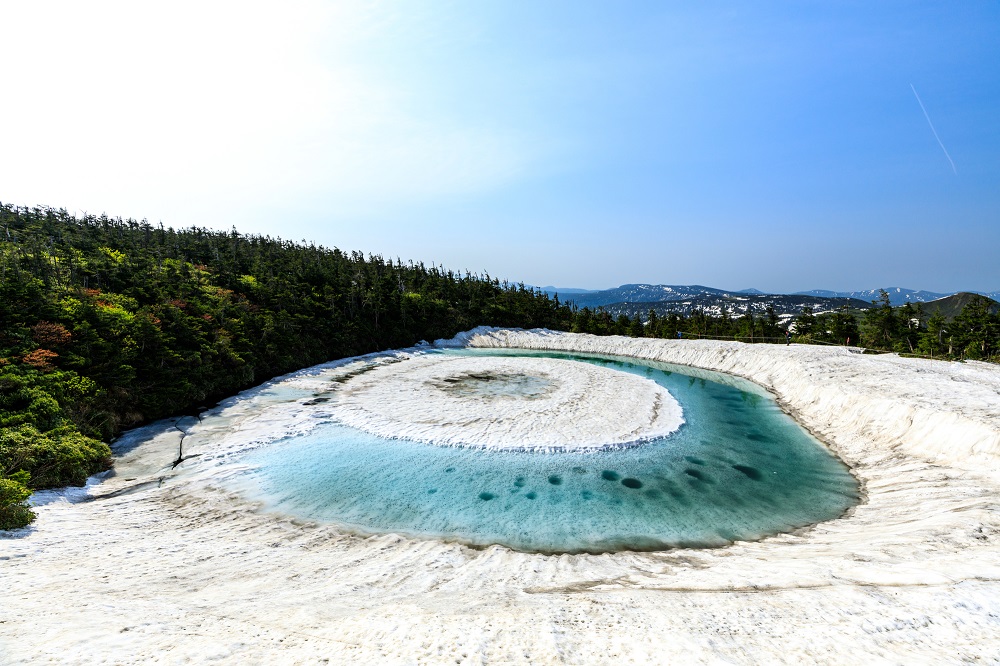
{"points": [[163, 566]]}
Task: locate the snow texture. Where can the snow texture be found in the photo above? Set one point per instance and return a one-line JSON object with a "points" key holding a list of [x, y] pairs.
{"points": [[526, 404], [172, 566]]}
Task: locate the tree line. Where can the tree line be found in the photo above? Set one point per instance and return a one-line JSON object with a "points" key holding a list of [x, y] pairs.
{"points": [[973, 334]]}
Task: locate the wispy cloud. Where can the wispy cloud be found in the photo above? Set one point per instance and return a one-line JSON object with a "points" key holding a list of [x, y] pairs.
{"points": [[950, 161]]}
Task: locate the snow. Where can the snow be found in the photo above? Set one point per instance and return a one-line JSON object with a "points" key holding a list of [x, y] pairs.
{"points": [[451, 401], [947, 413], [168, 565]]}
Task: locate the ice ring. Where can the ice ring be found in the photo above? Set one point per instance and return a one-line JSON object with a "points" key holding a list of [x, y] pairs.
{"points": [[507, 404]]}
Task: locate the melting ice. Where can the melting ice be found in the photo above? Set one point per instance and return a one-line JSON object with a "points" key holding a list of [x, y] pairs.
{"points": [[738, 469]]}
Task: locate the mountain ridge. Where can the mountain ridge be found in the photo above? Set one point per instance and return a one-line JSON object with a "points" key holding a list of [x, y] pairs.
{"points": [[950, 306], [785, 307], [665, 293]]}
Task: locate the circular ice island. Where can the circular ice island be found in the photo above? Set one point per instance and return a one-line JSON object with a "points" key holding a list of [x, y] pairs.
{"points": [[514, 404]]}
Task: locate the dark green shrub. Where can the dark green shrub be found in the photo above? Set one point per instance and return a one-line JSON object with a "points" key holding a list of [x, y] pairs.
{"points": [[14, 512], [60, 457]]}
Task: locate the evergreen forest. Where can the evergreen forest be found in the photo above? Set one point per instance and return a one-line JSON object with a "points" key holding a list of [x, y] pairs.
{"points": [[106, 324]]}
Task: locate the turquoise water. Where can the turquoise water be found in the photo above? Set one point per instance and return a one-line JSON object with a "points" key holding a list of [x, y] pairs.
{"points": [[739, 469]]}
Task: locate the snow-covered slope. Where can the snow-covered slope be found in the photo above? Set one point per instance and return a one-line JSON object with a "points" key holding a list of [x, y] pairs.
{"points": [[171, 564]]}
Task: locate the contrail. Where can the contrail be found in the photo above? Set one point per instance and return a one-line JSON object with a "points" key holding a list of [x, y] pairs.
{"points": [[933, 130]]}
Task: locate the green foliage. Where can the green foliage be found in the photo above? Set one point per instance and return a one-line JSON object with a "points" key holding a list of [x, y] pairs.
{"points": [[932, 342], [805, 324], [973, 334], [24, 399], [881, 324], [976, 330], [14, 511], [60, 457], [841, 327]]}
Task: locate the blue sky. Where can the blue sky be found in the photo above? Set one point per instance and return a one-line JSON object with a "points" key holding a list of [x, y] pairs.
{"points": [[775, 145]]}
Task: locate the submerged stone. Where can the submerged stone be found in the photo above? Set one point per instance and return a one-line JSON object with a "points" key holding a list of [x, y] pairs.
{"points": [[698, 474], [751, 472]]}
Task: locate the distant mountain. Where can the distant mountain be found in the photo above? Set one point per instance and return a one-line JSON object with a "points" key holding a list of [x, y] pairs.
{"points": [[641, 293], [640, 298], [897, 295], [695, 295], [822, 293], [562, 291], [737, 305], [949, 306]]}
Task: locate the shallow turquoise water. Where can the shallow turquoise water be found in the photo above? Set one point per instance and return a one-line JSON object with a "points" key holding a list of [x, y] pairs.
{"points": [[739, 469]]}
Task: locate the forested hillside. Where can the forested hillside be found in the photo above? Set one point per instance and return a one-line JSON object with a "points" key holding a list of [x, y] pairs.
{"points": [[973, 333], [952, 306], [108, 323]]}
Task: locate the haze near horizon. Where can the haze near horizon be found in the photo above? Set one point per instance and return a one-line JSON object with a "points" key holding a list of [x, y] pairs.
{"points": [[786, 147]]}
